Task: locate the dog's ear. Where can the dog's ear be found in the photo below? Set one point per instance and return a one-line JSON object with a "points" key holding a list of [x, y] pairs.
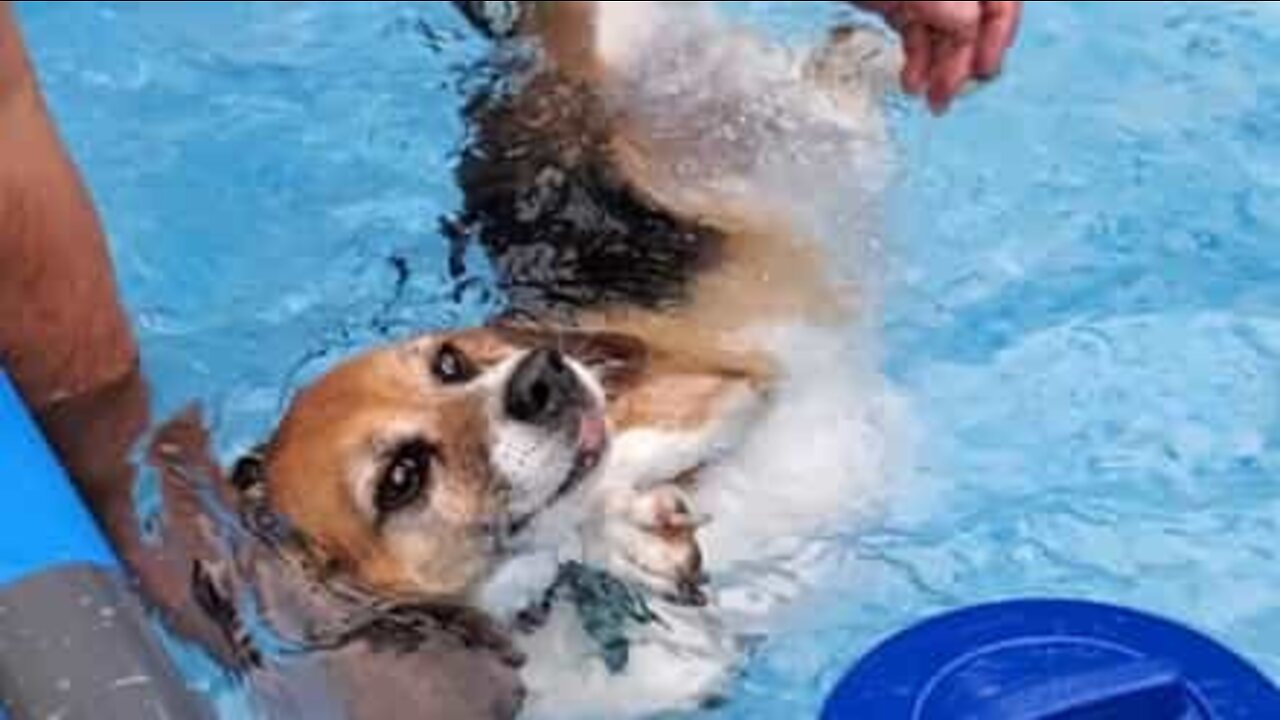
{"points": [[260, 519], [219, 542], [187, 538], [619, 360]]}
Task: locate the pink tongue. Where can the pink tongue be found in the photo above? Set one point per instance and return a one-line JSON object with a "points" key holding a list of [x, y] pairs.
{"points": [[592, 432]]}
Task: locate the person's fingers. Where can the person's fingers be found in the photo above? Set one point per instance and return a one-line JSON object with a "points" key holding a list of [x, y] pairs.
{"points": [[917, 44], [953, 67], [999, 28]]}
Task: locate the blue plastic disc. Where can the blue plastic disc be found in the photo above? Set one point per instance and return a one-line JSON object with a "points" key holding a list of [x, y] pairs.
{"points": [[1052, 660]]}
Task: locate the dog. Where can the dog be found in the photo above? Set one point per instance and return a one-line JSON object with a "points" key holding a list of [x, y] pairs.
{"points": [[608, 474]]}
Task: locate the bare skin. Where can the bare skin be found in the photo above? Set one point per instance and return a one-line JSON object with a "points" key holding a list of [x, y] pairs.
{"points": [[950, 44], [65, 339], [69, 333]]}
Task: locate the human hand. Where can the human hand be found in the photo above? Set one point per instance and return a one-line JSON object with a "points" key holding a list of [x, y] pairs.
{"points": [[949, 44]]}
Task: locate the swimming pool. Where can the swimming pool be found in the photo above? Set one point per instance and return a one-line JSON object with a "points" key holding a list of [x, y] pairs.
{"points": [[1083, 309]]}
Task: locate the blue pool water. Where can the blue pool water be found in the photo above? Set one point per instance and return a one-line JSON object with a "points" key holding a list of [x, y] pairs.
{"points": [[1084, 309]]}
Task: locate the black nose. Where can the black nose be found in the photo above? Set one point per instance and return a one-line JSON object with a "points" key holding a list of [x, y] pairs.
{"points": [[541, 388]]}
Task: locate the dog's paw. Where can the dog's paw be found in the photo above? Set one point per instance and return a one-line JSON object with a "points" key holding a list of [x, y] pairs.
{"points": [[855, 60], [652, 541]]}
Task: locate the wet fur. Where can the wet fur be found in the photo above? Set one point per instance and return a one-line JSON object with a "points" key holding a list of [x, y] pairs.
{"points": [[725, 265], [652, 282]]}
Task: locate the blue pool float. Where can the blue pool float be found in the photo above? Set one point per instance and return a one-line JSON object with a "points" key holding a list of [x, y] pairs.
{"points": [[75, 642], [1052, 660]]}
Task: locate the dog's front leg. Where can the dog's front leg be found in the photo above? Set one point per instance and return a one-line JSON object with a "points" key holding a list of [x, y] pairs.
{"points": [[648, 537], [644, 520]]}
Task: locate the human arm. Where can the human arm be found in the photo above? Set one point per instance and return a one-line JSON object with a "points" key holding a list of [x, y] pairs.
{"points": [[64, 331], [64, 337]]}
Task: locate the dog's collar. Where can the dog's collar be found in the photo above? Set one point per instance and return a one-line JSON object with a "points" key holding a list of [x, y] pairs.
{"points": [[606, 607]]}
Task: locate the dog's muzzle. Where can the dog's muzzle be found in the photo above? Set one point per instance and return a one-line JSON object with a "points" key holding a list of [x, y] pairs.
{"points": [[543, 390]]}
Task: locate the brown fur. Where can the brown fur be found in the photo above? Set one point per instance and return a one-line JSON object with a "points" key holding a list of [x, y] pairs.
{"points": [[762, 269], [437, 661], [666, 367], [692, 360], [338, 419], [332, 425]]}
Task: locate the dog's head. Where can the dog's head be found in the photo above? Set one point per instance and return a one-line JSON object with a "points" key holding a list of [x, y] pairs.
{"points": [[409, 468]]}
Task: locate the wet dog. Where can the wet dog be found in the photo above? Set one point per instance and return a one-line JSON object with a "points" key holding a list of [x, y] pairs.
{"points": [[593, 475]]}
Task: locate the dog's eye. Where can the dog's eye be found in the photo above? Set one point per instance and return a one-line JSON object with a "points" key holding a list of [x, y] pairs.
{"points": [[405, 478], [451, 367]]}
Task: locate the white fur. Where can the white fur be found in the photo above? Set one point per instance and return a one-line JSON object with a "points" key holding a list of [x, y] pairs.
{"points": [[805, 475], [623, 29], [817, 462], [671, 668], [533, 461], [642, 457]]}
